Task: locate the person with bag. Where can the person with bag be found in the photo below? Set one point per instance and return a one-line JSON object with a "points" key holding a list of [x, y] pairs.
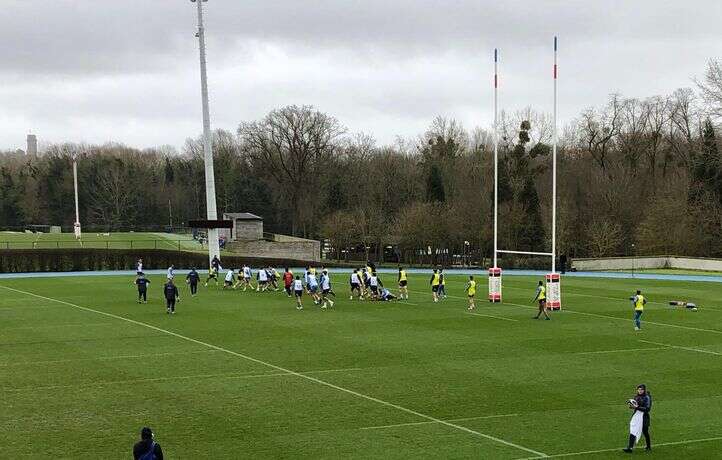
{"points": [[147, 448]]}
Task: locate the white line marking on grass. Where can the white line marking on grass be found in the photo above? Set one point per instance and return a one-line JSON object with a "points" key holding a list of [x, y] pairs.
{"points": [[298, 374], [698, 350], [575, 454], [619, 351], [491, 316], [430, 422]]}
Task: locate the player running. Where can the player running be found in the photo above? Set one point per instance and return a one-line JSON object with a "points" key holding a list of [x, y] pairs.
{"points": [[298, 292], [326, 289], [470, 289], [403, 284], [541, 297], [287, 281], [247, 274], [212, 275], [192, 279], [262, 279], [228, 283], [355, 283], [312, 287]]}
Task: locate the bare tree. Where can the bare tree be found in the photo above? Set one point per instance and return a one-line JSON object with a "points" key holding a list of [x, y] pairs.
{"points": [[292, 143], [711, 87]]}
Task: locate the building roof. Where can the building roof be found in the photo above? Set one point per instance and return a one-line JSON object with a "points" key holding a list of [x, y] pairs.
{"points": [[241, 216]]}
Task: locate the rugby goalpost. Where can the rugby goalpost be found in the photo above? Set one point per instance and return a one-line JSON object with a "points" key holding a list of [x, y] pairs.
{"points": [[553, 280]]}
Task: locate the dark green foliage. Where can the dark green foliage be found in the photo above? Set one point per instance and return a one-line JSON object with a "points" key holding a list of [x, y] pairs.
{"points": [[435, 185]]}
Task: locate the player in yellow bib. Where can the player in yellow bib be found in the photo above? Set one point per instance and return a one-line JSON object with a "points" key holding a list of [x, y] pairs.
{"points": [[403, 284], [541, 296], [471, 291], [638, 301], [435, 282]]}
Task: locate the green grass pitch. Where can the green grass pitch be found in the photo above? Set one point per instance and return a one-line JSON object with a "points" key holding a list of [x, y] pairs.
{"points": [[244, 375]]}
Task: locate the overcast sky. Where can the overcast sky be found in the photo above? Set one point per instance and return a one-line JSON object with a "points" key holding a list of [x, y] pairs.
{"points": [[127, 70]]}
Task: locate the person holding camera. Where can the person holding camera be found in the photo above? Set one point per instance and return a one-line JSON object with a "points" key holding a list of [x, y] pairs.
{"points": [[641, 404]]}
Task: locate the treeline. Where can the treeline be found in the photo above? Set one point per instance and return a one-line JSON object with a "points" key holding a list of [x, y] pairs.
{"points": [[637, 176]]}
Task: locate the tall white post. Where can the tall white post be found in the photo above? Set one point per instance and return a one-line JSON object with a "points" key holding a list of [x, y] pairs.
{"points": [[213, 249], [496, 157], [554, 165], [76, 226]]}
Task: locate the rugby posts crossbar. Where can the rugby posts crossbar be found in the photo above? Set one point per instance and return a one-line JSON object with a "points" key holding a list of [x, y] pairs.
{"points": [[530, 253]]}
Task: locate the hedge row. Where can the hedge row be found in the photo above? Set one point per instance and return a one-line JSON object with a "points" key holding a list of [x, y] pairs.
{"points": [[65, 260]]}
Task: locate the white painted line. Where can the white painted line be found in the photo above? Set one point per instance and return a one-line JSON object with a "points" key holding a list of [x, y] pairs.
{"points": [[698, 350], [587, 452], [430, 422], [491, 316], [621, 350], [298, 374]]}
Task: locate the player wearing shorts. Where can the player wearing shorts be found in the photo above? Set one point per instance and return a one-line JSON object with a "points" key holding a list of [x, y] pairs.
{"points": [[435, 282], [442, 285], [212, 275], [230, 278], [470, 289], [403, 284], [374, 284], [298, 292], [262, 276], [541, 297], [287, 281], [312, 287], [326, 289], [355, 283]]}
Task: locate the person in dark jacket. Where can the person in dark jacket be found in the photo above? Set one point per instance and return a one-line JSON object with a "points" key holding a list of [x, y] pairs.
{"points": [[147, 448], [192, 279], [643, 403], [170, 292], [142, 282]]}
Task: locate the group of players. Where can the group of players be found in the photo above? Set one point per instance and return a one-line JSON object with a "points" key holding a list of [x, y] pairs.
{"points": [[364, 283]]}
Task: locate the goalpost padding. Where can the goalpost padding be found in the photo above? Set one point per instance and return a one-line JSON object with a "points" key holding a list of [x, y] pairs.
{"points": [[554, 291], [495, 284]]}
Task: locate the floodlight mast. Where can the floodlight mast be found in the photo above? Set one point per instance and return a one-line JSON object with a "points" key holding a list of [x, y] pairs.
{"points": [[213, 249]]}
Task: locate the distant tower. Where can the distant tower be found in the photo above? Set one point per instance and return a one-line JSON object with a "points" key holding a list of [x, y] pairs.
{"points": [[32, 145]]}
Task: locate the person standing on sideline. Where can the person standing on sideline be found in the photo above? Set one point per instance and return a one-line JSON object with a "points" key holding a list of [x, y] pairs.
{"points": [[470, 289], [641, 404], [541, 297], [170, 292], [192, 279], [147, 448], [139, 266], [403, 284], [142, 282], [638, 301], [171, 272]]}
